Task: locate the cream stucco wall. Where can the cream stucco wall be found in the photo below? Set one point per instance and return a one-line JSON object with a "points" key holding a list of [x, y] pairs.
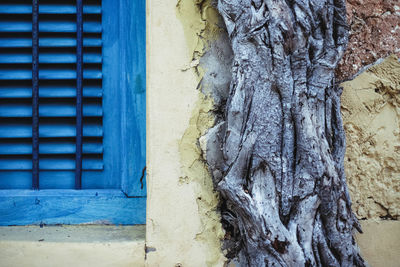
{"points": [[178, 232]]}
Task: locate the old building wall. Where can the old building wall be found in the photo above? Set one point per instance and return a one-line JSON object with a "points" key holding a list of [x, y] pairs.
{"points": [[188, 63], [371, 117], [370, 109], [188, 79], [374, 33], [183, 225]]}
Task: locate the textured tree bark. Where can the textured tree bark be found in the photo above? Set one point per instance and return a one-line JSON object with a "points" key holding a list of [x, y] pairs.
{"points": [[280, 172]]}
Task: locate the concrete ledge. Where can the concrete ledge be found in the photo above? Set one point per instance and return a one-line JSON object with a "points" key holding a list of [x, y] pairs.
{"points": [[380, 242], [83, 245]]}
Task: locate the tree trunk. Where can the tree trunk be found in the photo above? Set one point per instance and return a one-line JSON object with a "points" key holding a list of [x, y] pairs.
{"points": [[281, 173]]}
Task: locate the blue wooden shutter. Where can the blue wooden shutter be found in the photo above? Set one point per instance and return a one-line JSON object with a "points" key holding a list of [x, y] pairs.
{"points": [[57, 74], [114, 113]]}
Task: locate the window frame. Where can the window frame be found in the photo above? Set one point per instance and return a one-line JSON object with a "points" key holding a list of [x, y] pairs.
{"points": [[126, 81]]}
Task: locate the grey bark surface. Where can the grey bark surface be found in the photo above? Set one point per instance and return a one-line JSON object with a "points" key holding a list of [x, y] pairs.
{"points": [[277, 153]]}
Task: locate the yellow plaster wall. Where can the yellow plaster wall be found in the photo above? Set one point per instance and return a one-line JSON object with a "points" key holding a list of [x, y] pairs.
{"points": [[380, 243], [371, 118], [183, 227]]}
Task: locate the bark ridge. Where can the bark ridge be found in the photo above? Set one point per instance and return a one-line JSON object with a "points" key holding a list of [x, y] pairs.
{"points": [[279, 168]]}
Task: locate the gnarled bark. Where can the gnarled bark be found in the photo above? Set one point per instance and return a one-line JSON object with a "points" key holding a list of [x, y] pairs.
{"points": [[281, 168]]}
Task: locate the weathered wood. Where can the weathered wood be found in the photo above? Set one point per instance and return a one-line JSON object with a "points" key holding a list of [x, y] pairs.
{"points": [[63, 206], [281, 170]]}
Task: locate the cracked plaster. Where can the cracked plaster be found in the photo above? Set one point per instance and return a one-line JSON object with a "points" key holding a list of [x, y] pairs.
{"points": [[371, 116]]}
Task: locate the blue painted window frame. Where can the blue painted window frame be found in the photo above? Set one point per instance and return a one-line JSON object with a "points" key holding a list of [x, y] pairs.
{"points": [[124, 141]]}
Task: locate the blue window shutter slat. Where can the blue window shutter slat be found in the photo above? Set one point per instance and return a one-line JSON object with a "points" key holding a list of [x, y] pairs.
{"points": [[49, 147], [48, 73], [48, 58], [49, 42], [49, 26], [49, 163], [49, 91], [54, 179], [48, 9], [48, 129], [24, 110]]}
